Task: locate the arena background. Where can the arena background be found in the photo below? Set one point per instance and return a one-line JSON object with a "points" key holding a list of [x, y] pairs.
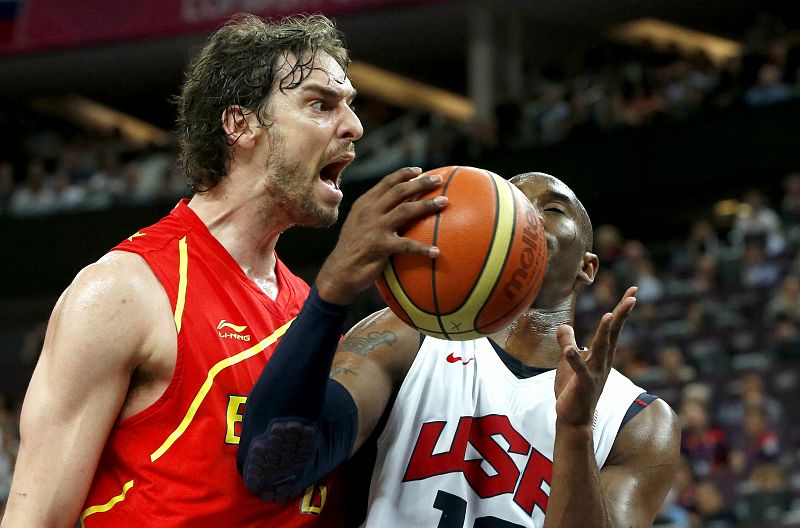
{"points": [[676, 122]]}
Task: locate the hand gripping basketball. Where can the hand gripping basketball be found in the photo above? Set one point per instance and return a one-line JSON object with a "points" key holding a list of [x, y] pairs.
{"points": [[370, 233], [492, 263]]}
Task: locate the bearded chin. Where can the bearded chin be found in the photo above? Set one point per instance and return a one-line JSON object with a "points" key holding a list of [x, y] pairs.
{"points": [[300, 208], [315, 216], [290, 189]]}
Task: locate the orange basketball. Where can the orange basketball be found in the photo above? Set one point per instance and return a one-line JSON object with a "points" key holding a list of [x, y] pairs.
{"points": [[491, 266]]}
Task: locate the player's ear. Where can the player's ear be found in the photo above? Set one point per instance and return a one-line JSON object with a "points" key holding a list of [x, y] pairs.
{"points": [[238, 127], [589, 265]]}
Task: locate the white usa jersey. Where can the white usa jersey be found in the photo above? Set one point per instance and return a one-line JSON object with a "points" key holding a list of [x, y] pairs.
{"points": [[469, 445]]}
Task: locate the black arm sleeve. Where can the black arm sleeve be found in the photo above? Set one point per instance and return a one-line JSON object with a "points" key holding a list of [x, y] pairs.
{"points": [[298, 424]]}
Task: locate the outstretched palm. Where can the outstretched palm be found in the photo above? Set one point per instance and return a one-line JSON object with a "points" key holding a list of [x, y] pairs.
{"points": [[581, 374]]}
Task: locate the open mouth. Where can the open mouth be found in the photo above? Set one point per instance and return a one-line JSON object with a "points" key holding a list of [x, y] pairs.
{"points": [[332, 172]]}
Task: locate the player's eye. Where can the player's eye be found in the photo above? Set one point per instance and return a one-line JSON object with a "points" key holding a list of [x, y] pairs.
{"points": [[319, 105], [554, 210]]}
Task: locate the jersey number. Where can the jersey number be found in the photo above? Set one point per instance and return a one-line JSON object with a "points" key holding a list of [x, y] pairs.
{"points": [[454, 513]]}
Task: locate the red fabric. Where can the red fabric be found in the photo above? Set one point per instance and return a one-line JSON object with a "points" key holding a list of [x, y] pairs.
{"points": [[195, 482]]}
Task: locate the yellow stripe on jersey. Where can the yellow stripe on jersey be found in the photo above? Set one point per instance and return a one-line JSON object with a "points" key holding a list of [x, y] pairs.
{"points": [[183, 266], [101, 508], [206, 387]]}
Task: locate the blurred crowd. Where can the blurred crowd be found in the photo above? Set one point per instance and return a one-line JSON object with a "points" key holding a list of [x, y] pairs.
{"points": [[625, 86], [716, 333], [613, 86], [50, 167]]}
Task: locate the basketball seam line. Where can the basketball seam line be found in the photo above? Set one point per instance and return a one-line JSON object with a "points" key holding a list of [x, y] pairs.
{"points": [[505, 259], [433, 265]]}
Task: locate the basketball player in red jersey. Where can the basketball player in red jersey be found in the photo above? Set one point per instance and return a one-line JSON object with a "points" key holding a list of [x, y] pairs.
{"points": [[520, 429], [132, 417]]}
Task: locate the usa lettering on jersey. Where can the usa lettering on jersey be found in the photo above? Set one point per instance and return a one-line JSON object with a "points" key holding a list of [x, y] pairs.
{"points": [[526, 486]]}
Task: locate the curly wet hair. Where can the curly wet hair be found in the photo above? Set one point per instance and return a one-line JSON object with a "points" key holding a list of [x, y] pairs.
{"points": [[238, 67]]}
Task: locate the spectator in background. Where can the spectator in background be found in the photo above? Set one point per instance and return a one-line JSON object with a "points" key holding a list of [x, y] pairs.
{"points": [[35, 196], [550, 115], [671, 368], [651, 289], [711, 507], [751, 393], [107, 181], [756, 271], [608, 243], [759, 443], [701, 242], [635, 267], [705, 279], [757, 221], [785, 304], [69, 196], [769, 88], [704, 445], [785, 340], [766, 496]]}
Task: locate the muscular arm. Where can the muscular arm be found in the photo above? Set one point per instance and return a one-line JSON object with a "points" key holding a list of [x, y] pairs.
{"points": [[371, 363], [299, 424], [96, 337], [641, 466], [638, 473], [629, 489]]}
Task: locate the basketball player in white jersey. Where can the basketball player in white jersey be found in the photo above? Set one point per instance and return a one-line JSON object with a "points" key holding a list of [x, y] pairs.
{"points": [[523, 428]]}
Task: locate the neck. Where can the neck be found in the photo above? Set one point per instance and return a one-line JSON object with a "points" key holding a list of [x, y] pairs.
{"points": [[247, 227], [532, 337]]}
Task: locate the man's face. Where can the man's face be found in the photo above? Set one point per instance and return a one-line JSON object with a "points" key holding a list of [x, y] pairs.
{"points": [[565, 222], [309, 143]]}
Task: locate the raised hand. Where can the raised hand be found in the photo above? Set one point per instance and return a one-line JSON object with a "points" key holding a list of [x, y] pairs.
{"points": [[581, 374], [369, 234]]}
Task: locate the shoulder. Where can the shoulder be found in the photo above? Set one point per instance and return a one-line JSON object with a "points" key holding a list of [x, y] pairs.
{"points": [[652, 435], [119, 276], [111, 305]]}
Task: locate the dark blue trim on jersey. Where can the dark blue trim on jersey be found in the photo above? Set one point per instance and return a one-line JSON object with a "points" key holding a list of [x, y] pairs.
{"points": [[641, 401], [517, 367], [523, 371]]}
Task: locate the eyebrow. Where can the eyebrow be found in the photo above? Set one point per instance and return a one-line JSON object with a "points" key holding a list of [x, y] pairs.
{"points": [[330, 92], [555, 195]]}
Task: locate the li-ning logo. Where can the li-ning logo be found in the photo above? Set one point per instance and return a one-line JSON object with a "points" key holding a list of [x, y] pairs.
{"points": [[237, 331]]}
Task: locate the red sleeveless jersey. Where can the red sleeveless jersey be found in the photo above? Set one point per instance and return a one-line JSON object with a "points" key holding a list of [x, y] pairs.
{"points": [[174, 463]]}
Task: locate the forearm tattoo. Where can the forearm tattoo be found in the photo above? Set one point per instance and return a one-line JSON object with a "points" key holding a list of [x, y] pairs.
{"points": [[364, 345], [335, 371]]}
